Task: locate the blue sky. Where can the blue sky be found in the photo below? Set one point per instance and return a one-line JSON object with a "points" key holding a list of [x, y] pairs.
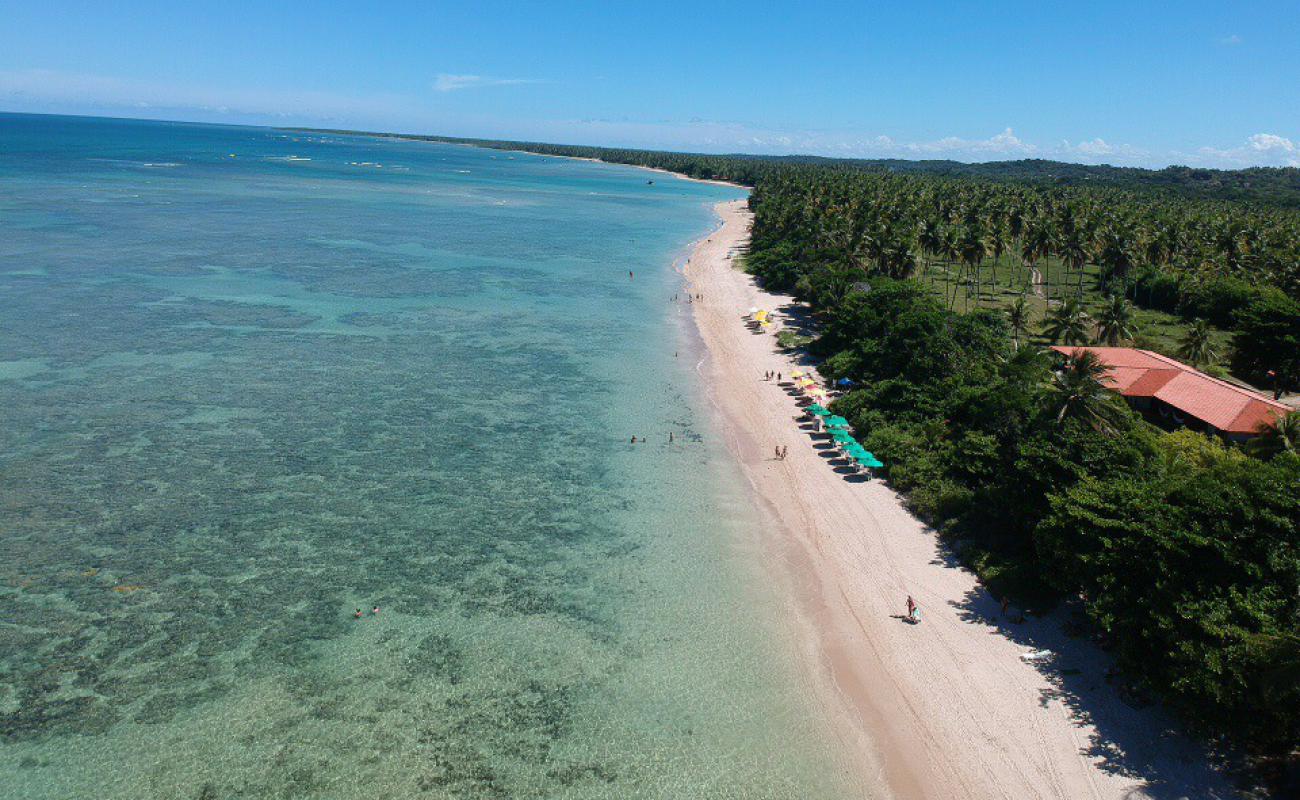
{"points": [[1213, 84]]}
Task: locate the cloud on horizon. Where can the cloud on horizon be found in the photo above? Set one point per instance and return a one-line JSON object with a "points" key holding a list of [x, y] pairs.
{"points": [[51, 91], [447, 82]]}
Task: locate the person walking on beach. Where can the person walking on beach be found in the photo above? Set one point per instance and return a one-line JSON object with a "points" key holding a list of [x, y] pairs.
{"points": [[911, 608]]}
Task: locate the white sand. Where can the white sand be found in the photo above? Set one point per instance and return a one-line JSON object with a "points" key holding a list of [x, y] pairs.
{"points": [[947, 708]]}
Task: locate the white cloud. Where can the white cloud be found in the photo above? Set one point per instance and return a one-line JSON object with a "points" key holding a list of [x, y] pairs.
{"points": [[446, 82], [1231, 41], [1259, 150]]}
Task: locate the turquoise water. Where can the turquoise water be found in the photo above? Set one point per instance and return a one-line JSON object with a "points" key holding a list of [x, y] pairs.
{"points": [[253, 380]]}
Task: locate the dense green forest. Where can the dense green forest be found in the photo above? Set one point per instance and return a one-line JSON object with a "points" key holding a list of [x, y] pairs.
{"points": [[1184, 551]]}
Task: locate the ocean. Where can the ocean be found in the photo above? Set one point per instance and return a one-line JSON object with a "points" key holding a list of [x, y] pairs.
{"points": [[254, 382]]}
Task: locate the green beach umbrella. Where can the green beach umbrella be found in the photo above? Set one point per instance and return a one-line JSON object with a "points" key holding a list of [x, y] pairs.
{"points": [[837, 422], [818, 410], [856, 450], [842, 437]]}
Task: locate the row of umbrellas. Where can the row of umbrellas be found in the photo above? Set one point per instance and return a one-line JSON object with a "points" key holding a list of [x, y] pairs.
{"points": [[838, 427], [804, 383]]}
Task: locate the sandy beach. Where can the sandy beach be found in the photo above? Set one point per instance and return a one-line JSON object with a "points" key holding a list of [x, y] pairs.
{"points": [[947, 708]]}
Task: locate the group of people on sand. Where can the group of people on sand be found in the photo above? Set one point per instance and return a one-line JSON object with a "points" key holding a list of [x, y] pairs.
{"points": [[690, 298], [780, 451]]}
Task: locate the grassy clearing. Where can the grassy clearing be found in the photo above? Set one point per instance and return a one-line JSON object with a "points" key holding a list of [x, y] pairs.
{"points": [[1158, 331]]}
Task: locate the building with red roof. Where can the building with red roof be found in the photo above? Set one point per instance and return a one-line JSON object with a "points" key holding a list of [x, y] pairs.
{"points": [[1170, 390]]}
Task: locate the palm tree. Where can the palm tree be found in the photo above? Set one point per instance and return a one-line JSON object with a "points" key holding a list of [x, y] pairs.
{"points": [[1077, 391], [1067, 323], [973, 250], [1037, 246], [1282, 435], [1196, 347], [1115, 322], [1074, 249], [1018, 317]]}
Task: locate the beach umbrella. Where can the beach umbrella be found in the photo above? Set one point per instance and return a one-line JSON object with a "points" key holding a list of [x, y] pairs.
{"points": [[837, 422], [818, 410], [844, 382], [753, 309], [796, 374], [843, 437]]}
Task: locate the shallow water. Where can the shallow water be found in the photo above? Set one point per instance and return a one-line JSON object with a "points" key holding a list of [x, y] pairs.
{"points": [[253, 380]]}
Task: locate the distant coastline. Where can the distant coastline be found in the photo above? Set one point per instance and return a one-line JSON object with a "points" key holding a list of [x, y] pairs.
{"points": [[522, 148]]}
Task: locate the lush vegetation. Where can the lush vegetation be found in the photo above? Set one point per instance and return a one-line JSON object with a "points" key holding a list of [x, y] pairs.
{"points": [[1184, 551]]}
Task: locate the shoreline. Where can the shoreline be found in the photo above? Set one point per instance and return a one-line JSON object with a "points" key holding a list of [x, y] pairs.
{"points": [[947, 708]]}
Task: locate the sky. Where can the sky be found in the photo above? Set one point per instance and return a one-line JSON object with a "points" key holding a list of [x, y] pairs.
{"points": [[1213, 84]]}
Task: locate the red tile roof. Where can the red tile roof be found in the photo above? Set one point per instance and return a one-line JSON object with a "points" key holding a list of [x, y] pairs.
{"points": [[1141, 373]]}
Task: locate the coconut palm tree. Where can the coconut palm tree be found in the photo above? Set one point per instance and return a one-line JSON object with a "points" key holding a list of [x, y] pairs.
{"points": [[1282, 435], [1067, 323], [1196, 348], [1037, 246], [1115, 322], [974, 249], [1077, 391], [1018, 314]]}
